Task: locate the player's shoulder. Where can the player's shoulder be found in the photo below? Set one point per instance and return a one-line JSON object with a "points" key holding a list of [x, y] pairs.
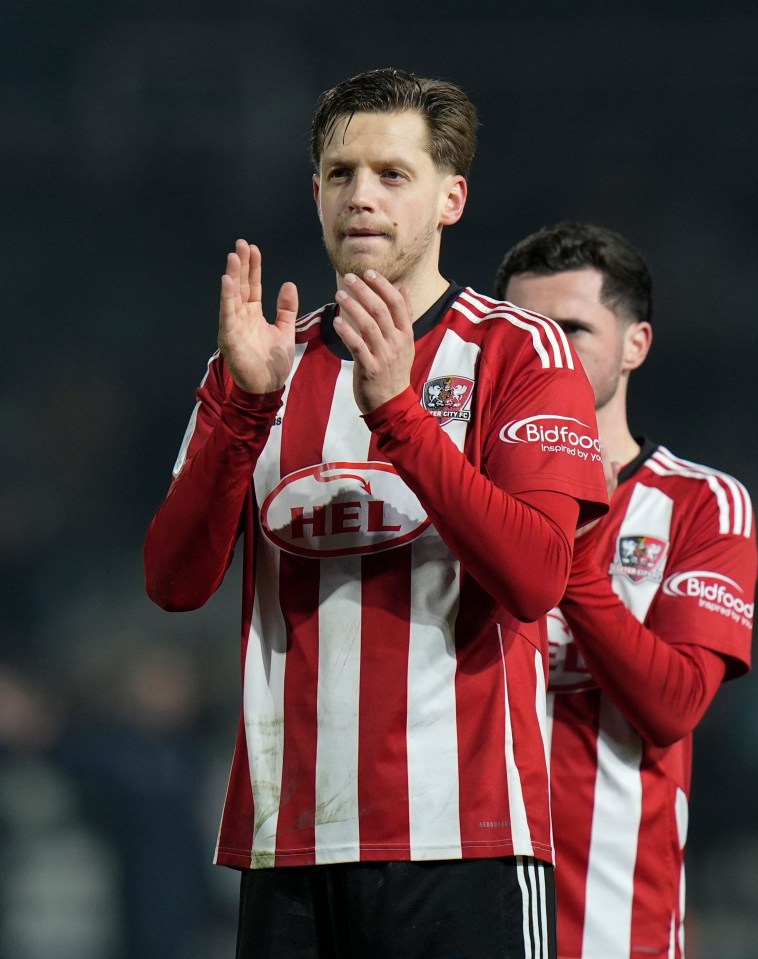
{"points": [[667, 464], [502, 322], [697, 487]]}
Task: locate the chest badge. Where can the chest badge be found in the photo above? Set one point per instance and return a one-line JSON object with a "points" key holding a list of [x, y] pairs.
{"points": [[448, 397], [640, 558]]}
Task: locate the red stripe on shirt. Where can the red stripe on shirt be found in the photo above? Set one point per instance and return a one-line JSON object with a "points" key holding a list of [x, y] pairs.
{"points": [[480, 704], [572, 772], [382, 750]]}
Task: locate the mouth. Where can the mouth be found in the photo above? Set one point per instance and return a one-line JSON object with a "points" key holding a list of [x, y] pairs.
{"points": [[362, 233], [352, 235]]}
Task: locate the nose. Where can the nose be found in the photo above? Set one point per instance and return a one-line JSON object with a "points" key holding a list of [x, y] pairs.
{"points": [[362, 193]]}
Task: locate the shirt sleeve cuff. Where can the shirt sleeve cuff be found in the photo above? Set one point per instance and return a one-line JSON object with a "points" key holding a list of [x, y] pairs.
{"points": [[380, 418], [245, 414], [260, 402]]}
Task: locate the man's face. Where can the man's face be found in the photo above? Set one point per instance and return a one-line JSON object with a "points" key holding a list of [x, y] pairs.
{"points": [[597, 334], [381, 199]]}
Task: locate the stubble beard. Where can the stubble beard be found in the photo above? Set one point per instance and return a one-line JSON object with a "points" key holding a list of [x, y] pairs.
{"points": [[395, 265], [607, 391]]}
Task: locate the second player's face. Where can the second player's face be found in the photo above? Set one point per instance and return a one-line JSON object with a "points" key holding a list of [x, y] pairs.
{"points": [[572, 299], [381, 199]]}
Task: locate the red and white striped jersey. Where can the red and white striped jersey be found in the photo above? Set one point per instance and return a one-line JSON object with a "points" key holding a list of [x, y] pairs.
{"points": [[392, 708], [678, 548]]}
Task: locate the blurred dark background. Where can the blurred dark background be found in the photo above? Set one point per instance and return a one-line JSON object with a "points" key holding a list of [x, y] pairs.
{"points": [[137, 143]]}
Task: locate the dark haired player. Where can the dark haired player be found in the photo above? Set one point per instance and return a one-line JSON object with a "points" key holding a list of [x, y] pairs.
{"points": [[657, 614], [402, 541]]}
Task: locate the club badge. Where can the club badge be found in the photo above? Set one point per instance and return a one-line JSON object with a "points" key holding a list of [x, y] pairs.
{"points": [[640, 558], [448, 397]]}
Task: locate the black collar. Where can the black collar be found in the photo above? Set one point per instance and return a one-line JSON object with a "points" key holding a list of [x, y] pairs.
{"points": [[647, 448]]}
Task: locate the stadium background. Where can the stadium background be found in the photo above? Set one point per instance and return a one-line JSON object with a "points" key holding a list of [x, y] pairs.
{"points": [[138, 142]]}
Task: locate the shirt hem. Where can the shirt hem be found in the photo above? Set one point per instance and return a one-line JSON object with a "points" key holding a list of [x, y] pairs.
{"points": [[243, 859]]}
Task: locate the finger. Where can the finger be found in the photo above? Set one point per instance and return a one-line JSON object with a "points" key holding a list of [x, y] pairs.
{"points": [[242, 249], [362, 324], [406, 295], [233, 270], [397, 301], [233, 267], [374, 301], [229, 302], [353, 341], [286, 306], [255, 274], [367, 314]]}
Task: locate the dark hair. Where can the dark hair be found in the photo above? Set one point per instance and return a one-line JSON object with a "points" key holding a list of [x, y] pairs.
{"points": [[449, 114], [627, 286]]}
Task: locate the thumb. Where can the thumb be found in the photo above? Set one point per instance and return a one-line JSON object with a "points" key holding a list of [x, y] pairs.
{"points": [[286, 306]]}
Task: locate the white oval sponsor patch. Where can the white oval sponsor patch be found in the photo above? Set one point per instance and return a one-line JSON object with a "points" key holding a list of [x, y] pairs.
{"points": [[342, 509], [714, 591], [554, 434]]}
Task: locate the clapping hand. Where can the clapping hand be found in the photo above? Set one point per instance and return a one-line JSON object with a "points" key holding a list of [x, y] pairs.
{"points": [[259, 354]]}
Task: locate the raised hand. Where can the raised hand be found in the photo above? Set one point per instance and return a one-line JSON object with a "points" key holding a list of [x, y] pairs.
{"points": [[375, 325], [259, 354]]}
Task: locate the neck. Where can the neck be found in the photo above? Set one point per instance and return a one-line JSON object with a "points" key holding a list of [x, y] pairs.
{"points": [[424, 295], [424, 282], [620, 446]]}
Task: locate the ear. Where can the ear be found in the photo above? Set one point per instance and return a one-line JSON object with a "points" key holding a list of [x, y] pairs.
{"points": [[637, 341], [316, 193], [455, 191]]}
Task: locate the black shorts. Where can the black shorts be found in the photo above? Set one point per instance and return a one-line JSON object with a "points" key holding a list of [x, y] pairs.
{"points": [[452, 909]]}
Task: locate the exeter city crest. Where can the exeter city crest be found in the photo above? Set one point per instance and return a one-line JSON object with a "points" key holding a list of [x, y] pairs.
{"points": [[640, 558], [448, 397]]}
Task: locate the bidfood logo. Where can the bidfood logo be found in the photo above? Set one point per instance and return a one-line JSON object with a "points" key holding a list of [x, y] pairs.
{"points": [[554, 434], [342, 509], [714, 592]]}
